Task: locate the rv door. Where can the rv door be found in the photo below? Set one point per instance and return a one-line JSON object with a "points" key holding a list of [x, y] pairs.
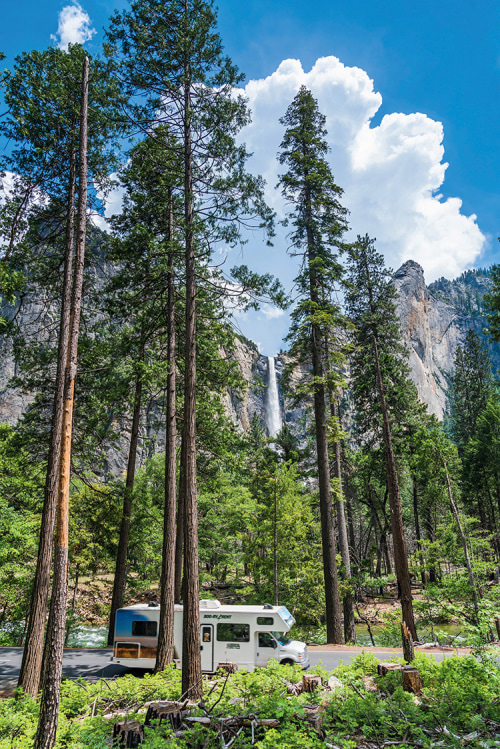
{"points": [[207, 647], [266, 648]]}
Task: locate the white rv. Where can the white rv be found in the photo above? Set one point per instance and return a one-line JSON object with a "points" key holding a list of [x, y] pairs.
{"points": [[246, 635]]}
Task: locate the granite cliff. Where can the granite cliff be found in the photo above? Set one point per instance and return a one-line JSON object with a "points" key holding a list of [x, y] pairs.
{"points": [[435, 319]]}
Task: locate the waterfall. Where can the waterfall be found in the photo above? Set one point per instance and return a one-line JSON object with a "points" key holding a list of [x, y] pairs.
{"points": [[273, 412]]}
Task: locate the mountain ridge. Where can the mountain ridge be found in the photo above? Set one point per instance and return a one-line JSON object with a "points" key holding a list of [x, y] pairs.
{"points": [[435, 320]]}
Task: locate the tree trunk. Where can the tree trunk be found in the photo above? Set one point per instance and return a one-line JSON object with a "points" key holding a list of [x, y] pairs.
{"points": [[400, 554], [121, 554], [417, 529], [431, 535], [493, 520], [179, 539], [49, 704], [165, 652], [191, 655], [275, 544], [380, 552], [350, 519], [332, 597], [348, 600], [30, 673], [468, 564], [408, 649]]}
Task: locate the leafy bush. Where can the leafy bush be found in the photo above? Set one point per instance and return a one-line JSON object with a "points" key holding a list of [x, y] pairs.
{"points": [[462, 693]]}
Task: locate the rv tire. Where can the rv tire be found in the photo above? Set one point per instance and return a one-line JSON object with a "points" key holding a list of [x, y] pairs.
{"points": [[287, 662]]}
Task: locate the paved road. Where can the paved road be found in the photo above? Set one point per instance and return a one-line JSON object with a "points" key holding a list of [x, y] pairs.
{"points": [[93, 663], [89, 664], [330, 659]]}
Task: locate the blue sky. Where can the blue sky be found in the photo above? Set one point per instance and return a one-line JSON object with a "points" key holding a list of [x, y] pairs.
{"points": [[393, 73]]}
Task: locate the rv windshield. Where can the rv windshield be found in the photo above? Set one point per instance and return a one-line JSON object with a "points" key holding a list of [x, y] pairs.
{"points": [[281, 637]]}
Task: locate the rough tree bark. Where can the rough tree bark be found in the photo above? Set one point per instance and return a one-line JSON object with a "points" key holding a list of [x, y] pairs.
{"points": [[179, 538], [332, 597], [165, 652], [399, 543], [121, 554], [30, 673], [49, 704], [348, 600], [191, 655]]}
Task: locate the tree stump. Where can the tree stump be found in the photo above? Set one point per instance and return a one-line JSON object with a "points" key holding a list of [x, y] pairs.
{"points": [[384, 667], [173, 712], [128, 733], [311, 682], [229, 667], [315, 715], [412, 681], [408, 649]]}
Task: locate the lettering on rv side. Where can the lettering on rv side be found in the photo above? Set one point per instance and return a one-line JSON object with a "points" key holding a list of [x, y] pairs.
{"points": [[217, 616]]}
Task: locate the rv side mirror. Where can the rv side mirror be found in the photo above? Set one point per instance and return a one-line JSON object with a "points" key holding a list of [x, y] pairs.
{"points": [[275, 644]]}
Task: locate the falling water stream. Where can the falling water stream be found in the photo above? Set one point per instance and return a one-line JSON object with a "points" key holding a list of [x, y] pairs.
{"points": [[273, 411]]}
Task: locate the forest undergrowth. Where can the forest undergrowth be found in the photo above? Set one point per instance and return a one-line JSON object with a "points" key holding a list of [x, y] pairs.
{"points": [[459, 706]]}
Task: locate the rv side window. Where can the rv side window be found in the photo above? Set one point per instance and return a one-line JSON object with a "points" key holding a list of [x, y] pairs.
{"points": [[265, 620], [141, 628], [233, 632]]}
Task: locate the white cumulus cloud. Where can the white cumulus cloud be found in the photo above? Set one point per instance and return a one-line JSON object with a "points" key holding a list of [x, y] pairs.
{"points": [[391, 173], [112, 203], [74, 26], [271, 312]]}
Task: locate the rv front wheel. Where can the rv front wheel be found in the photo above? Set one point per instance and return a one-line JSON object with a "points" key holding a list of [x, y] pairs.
{"points": [[287, 662]]}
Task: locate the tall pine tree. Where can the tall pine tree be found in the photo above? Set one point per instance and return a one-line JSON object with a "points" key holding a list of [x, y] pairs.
{"points": [[382, 392], [171, 59], [318, 221]]}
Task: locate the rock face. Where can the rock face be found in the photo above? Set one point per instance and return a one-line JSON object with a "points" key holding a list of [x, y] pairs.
{"points": [[255, 370], [35, 321], [435, 320]]}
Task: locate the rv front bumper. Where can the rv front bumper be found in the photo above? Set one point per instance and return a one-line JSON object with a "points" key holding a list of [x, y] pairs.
{"points": [[305, 662]]}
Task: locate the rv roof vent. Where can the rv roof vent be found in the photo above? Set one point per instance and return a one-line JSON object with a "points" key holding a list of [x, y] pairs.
{"points": [[153, 604], [268, 606], [210, 604]]}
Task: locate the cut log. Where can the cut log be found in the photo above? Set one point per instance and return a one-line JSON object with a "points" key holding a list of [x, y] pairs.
{"points": [[384, 667], [243, 720], [412, 681], [229, 667], [293, 689], [408, 649], [235, 722], [128, 733], [173, 712], [311, 682]]}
